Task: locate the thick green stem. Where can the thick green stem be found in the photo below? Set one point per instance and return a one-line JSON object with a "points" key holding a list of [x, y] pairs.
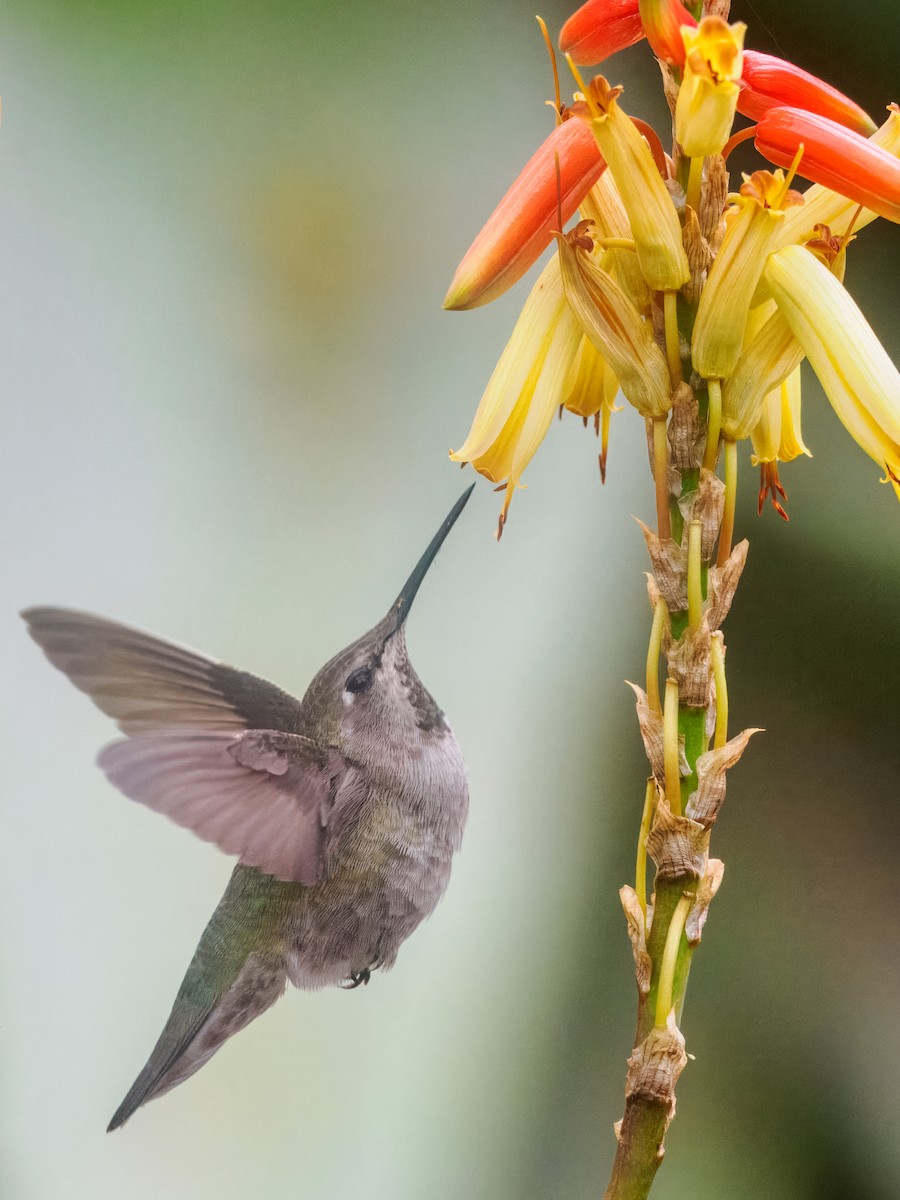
{"points": [[643, 1129], [647, 1116]]}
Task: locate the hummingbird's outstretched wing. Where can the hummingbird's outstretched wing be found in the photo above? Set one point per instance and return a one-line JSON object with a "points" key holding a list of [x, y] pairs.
{"points": [[148, 684], [262, 795], [210, 747]]}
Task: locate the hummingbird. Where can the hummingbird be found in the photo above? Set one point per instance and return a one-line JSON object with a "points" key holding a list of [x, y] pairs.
{"points": [[344, 809]]}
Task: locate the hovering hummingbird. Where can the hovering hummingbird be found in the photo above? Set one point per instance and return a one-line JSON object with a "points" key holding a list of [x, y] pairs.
{"points": [[344, 808]]}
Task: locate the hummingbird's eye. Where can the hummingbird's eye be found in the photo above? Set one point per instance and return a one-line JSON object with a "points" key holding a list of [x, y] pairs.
{"points": [[359, 680]]}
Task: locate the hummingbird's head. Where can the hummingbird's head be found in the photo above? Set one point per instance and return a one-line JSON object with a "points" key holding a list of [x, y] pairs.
{"points": [[369, 695]]}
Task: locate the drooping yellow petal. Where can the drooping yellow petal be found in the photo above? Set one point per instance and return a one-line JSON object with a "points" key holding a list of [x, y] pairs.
{"points": [[608, 317], [549, 390], [770, 356], [792, 444], [526, 347], [594, 385], [777, 436], [530, 381], [853, 367], [496, 462]]}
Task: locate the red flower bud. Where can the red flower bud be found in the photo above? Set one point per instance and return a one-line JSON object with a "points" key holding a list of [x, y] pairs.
{"points": [[523, 223], [771, 82], [833, 156], [662, 21], [600, 28]]}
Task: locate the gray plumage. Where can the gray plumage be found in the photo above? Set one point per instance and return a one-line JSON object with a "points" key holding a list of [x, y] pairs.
{"points": [[344, 809]]}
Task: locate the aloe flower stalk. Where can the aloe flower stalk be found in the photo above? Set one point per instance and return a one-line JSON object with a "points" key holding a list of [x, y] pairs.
{"points": [[699, 304]]}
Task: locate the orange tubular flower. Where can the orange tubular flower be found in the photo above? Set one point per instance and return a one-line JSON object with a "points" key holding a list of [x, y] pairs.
{"points": [[600, 28], [770, 82], [662, 20], [834, 156], [821, 206], [521, 226]]}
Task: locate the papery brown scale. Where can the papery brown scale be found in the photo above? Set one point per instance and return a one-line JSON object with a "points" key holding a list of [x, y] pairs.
{"points": [[705, 504], [699, 257], [634, 917], [713, 195], [705, 803], [687, 438], [669, 568], [723, 583], [709, 885], [688, 660], [651, 727], [678, 845], [654, 1067]]}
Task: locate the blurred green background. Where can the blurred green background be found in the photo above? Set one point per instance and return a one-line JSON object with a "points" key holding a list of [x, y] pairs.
{"points": [[229, 390]]}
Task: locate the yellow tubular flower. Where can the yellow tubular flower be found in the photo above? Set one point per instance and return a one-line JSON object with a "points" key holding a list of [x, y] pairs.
{"points": [[593, 385], [709, 90], [615, 327], [856, 373], [777, 436], [529, 383], [651, 213], [603, 205], [729, 292], [771, 355], [821, 206], [777, 439]]}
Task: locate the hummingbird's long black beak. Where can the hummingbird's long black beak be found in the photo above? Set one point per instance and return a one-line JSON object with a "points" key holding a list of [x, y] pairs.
{"points": [[403, 603]]}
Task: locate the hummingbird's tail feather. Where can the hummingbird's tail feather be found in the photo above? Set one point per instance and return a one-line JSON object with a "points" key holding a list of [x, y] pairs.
{"points": [[236, 973], [194, 1033]]}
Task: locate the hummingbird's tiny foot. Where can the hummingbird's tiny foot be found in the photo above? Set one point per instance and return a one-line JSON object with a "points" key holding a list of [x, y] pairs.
{"points": [[356, 978]]}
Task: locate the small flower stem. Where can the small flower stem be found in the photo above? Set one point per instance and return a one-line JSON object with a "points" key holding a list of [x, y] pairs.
{"points": [[660, 475], [717, 662], [616, 243], [665, 989], [640, 865], [715, 424], [604, 440], [653, 649], [695, 179], [694, 584], [731, 473], [673, 349], [671, 756]]}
